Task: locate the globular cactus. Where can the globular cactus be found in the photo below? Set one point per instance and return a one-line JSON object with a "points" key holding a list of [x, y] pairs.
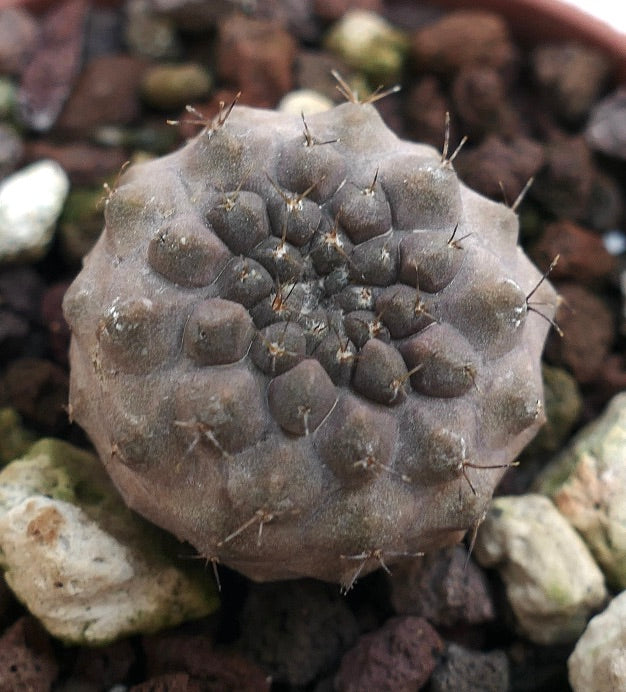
{"points": [[304, 346]]}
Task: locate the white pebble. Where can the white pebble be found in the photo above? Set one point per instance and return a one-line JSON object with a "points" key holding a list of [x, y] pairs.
{"points": [[598, 663], [305, 101], [614, 241], [30, 203]]}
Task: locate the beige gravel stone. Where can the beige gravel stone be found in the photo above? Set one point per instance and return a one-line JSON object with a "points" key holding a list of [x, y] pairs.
{"points": [[598, 663], [88, 568], [552, 581], [588, 485]]}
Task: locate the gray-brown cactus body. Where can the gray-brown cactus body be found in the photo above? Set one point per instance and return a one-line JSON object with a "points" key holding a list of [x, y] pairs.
{"points": [[296, 348]]}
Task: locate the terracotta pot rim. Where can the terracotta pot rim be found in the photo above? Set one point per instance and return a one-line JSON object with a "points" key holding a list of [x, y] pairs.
{"points": [[541, 20]]}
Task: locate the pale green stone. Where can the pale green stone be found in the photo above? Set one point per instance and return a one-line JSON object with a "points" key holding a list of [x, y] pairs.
{"points": [[370, 44], [15, 439], [552, 581], [598, 663], [563, 406], [172, 86], [587, 482], [85, 565]]}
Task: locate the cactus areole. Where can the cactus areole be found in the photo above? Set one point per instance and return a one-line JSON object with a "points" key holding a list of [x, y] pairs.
{"points": [[304, 346]]}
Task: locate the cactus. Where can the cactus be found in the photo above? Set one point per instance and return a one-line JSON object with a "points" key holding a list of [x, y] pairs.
{"points": [[304, 346]]}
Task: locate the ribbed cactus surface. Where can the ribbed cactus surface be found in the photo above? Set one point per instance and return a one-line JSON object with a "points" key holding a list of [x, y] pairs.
{"points": [[305, 346]]}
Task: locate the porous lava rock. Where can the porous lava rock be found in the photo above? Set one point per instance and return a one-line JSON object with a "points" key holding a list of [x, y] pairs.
{"points": [[296, 630], [401, 655], [306, 347], [465, 670], [200, 664], [26, 657], [444, 587]]}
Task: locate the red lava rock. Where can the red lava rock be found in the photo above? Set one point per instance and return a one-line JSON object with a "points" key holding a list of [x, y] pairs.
{"points": [[256, 56], [18, 34], [464, 37], [104, 31], [500, 167], [606, 204], [440, 588], [390, 111], [331, 10], [38, 390], [582, 255], [426, 107], [52, 317], [571, 76], [21, 290], [14, 331], [85, 164], [399, 657], [296, 630], [480, 98], [103, 667], [565, 184], [38, 6], [606, 131], [107, 93], [192, 15], [295, 15], [210, 668], [26, 658], [463, 670], [48, 78], [588, 332], [170, 682], [313, 71], [612, 377]]}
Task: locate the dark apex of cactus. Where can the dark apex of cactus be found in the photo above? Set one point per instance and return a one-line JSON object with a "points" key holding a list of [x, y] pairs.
{"points": [[307, 348]]}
